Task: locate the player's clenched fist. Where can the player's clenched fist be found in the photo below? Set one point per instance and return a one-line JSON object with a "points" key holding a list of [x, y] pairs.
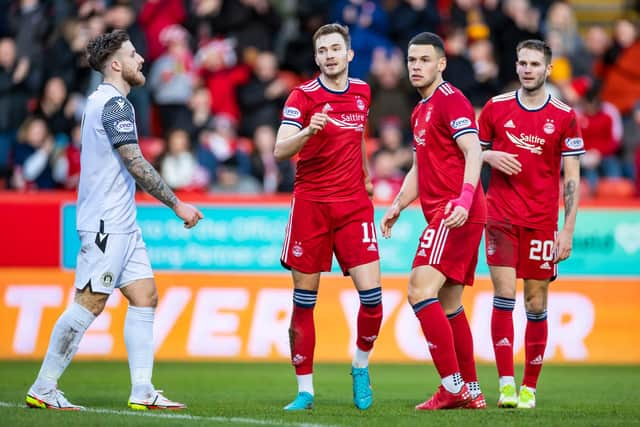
{"points": [[317, 123]]}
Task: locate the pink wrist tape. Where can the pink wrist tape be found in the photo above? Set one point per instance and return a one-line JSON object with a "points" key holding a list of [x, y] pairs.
{"points": [[466, 196]]}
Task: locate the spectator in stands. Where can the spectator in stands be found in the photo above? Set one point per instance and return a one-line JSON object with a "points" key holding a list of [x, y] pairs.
{"points": [[391, 93], [155, 16], [122, 16], [200, 109], [261, 99], [460, 69], [200, 13], [409, 17], [469, 14], [219, 70], [601, 128], [252, 23], [298, 51], [386, 176], [621, 87], [30, 28], [53, 109], [64, 54], [392, 139], [561, 20], [66, 166], [368, 26], [597, 42], [17, 84], [510, 24], [485, 70], [33, 157], [275, 176], [179, 166], [231, 181], [172, 78], [219, 144]]}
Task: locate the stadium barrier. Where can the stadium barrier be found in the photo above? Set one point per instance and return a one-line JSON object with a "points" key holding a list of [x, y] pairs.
{"points": [[245, 235], [246, 316], [225, 296]]}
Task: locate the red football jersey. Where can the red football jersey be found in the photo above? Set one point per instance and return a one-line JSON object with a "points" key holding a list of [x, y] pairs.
{"points": [[437, 121], [539, 137], [329, 165]]}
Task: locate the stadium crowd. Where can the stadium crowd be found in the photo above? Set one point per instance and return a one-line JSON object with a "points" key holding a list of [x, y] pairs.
{"points": [[219, 71]]}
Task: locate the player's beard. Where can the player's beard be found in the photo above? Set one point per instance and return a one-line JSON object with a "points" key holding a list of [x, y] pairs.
{"points": [[337, 72], [133, 76], [536, 86]]}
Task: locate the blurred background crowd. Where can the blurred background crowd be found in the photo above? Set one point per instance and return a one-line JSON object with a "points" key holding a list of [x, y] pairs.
{"points": [[219, 71]]}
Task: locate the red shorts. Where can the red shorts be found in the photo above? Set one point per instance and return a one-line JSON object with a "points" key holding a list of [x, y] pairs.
{"points": [[453, 252], [316, 230], [528, 250]]}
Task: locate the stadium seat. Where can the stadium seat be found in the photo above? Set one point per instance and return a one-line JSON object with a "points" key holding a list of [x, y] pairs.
{"points": [[585, 190], [637, 172], [615, 188], [152, 148]]}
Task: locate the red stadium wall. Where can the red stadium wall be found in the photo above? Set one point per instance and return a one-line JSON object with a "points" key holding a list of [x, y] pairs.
{"points": [[30, 223]]}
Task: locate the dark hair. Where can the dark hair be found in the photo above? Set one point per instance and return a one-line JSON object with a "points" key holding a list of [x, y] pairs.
{"points": [[538, 45], [100, 49], [330, 29], [593, 93], [428, 38]]}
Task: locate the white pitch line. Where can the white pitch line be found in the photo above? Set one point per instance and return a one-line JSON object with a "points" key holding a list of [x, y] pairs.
{"points": [[174, 416]]}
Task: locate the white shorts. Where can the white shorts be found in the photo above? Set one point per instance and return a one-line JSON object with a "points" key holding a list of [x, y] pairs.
{"points": [[108, 261]]}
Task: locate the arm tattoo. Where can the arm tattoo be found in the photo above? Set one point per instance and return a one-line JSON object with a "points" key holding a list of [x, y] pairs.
{"points": [[145, 175], [569, 197]]}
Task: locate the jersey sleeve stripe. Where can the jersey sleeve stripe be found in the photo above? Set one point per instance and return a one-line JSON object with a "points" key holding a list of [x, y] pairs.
{"points": [[560, 105], [445, 89], [310, 87], [291, 122], [464, 131], [487, 143], [125, 142], [573, 153], [504, 97]]}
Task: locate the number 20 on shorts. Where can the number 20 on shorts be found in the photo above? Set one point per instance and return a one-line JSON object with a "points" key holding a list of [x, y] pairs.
{"points": [[541, 250]]}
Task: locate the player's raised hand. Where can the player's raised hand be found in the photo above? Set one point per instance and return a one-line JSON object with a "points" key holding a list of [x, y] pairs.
{"points": [[455, 215], [562, 246], [389, 219], [188, 213], [505, 162]]}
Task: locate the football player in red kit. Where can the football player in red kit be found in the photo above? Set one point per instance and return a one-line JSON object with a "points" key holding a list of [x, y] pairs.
{"points": [[526, 133], [444, 175], [323, 121]]}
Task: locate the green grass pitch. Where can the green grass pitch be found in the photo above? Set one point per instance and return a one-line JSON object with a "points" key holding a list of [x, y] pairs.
{"points": [[252, 394]]}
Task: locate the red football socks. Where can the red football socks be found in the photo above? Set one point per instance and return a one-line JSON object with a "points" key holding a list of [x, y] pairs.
{"points": [[535, 342], [502, 334], [463, 341], [439, 336]]}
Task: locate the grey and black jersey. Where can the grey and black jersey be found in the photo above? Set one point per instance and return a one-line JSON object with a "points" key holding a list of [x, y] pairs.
{"points": [[106, 194]]}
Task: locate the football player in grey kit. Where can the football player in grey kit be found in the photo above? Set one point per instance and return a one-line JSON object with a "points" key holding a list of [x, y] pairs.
{"points": [[113, 254]]}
